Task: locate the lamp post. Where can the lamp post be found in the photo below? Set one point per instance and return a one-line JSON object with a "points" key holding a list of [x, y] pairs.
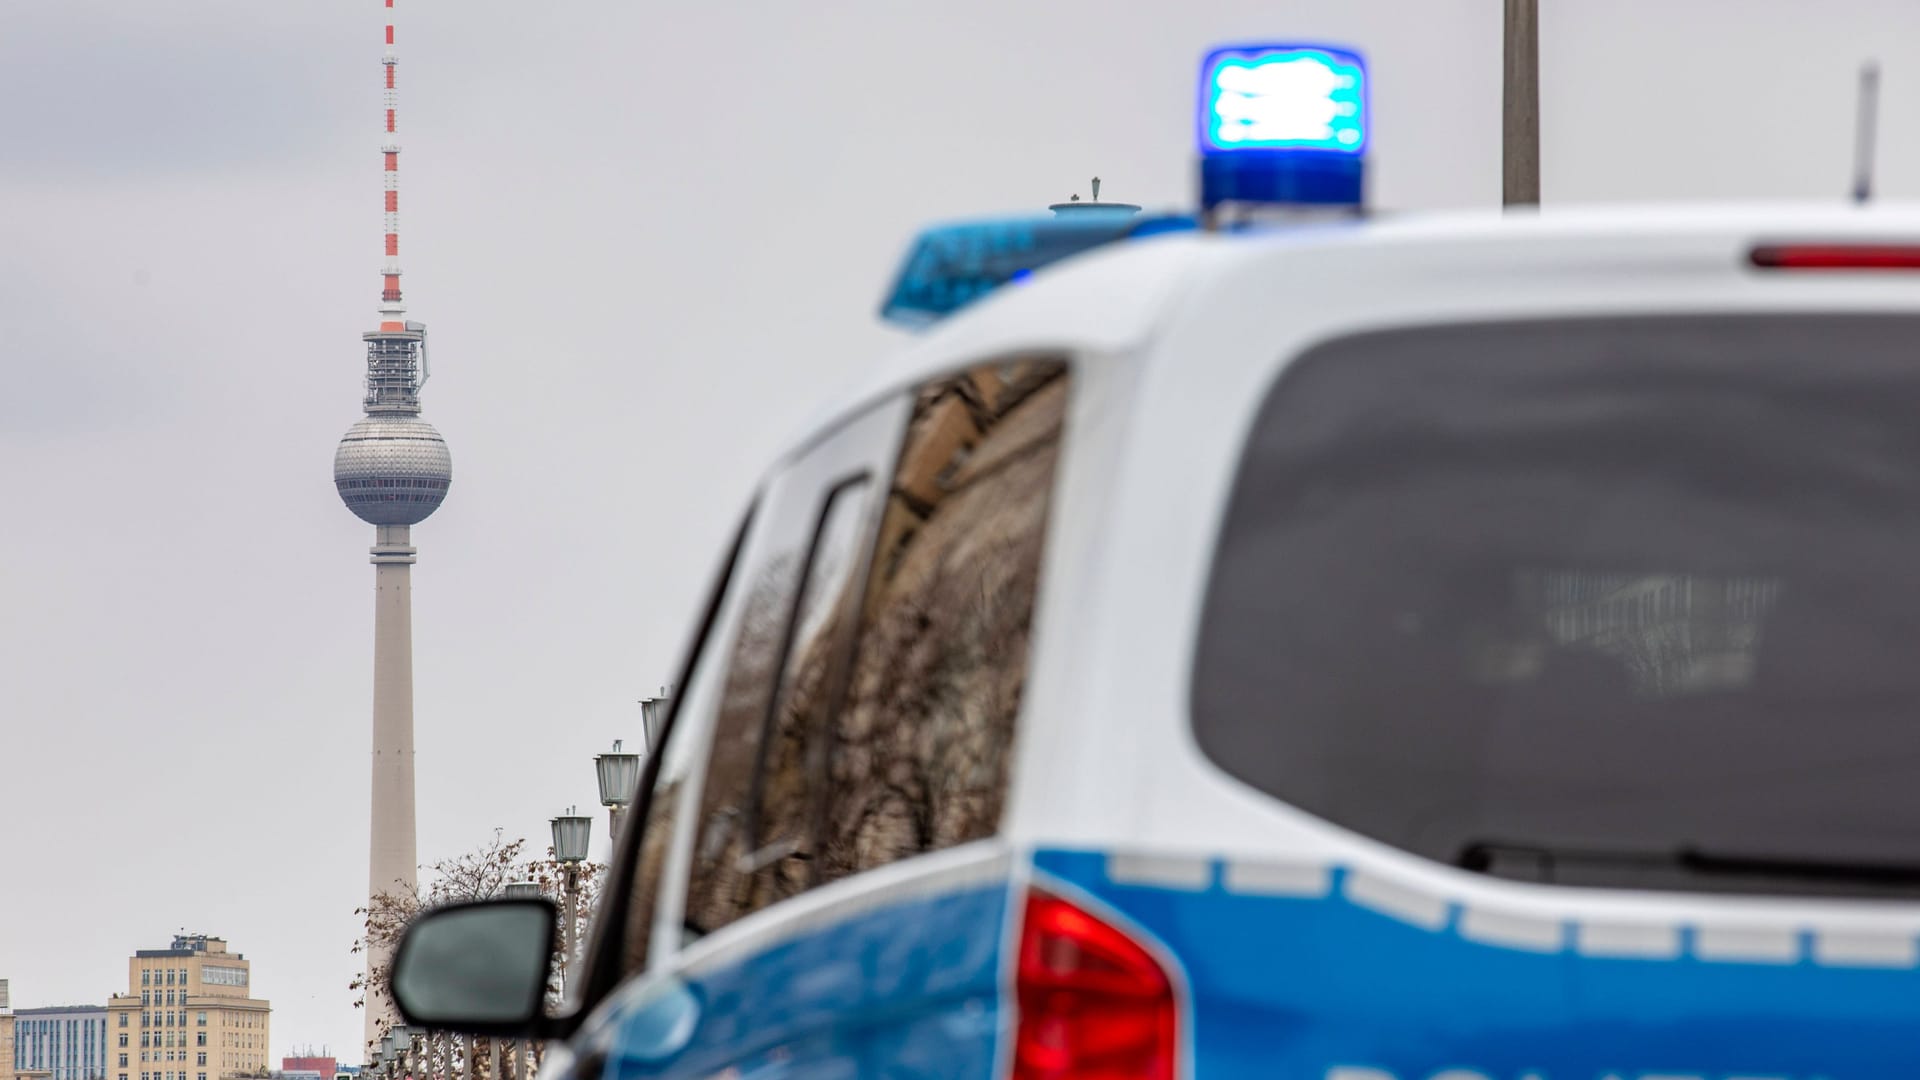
{"points": [[511, 1061], [619, 774], [653, 716], [571, 831], [402, 1037]]}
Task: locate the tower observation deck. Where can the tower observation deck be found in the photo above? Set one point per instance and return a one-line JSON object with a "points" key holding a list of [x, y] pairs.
{"points": [[392, 468]]}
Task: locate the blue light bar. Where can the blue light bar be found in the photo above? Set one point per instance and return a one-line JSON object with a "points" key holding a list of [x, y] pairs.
{"points": [[1282, 124], [951, 266]]}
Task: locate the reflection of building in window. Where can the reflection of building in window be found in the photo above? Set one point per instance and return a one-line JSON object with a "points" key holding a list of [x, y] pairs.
{"points": [[1675, 633]]}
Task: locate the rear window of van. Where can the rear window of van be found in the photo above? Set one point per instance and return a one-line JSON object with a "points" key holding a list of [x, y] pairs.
{"points": [[1576, 601]]}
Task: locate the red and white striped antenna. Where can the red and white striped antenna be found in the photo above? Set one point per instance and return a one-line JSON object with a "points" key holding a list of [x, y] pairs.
{"points": [[393, 314]]}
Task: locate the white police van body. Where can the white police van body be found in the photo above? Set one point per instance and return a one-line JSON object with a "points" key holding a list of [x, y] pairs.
{"points": [[1468, 646]]}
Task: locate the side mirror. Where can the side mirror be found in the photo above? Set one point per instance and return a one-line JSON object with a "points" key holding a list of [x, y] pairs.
{"points": [[478, 968]]}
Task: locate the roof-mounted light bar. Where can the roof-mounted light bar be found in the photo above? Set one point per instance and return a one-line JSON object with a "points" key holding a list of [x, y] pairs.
{"points": [[951, 266], [1283, 124]]}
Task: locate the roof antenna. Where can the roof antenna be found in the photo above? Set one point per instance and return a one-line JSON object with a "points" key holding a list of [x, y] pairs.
{"points": [[1863, 133], [1074, 205]]}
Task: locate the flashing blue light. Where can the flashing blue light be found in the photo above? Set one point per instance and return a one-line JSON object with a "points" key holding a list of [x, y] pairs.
{"points": [[1282, 124], [951, 266]]}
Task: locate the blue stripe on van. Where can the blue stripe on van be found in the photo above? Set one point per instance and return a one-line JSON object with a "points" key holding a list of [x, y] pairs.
{"points": [[906, 989], [1320, 987]]}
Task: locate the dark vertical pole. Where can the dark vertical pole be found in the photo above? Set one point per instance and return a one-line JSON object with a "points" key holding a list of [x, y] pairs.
{"points": [[1864, 130], [1520, 119]]}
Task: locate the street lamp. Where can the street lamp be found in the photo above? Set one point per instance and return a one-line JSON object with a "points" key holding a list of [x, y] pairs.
{"points": [[653, 716], [570, 833], [516, 890], [402, 1037], [619, 775]]}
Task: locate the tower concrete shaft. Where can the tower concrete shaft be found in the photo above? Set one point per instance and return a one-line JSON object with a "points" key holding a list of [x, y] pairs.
{"points": [[392, 855]]}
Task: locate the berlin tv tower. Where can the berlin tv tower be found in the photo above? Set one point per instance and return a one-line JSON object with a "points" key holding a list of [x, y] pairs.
{"points": [[392, 469]]}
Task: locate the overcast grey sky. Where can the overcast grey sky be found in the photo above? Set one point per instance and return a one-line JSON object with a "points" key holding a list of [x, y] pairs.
{"points": [[647, 238]]}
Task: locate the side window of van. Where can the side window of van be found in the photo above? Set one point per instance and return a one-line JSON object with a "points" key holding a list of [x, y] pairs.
{"points": [[867, 711], [924, 734]]}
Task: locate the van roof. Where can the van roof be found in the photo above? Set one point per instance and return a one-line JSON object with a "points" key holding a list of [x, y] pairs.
{"points": [[1111, 300]]}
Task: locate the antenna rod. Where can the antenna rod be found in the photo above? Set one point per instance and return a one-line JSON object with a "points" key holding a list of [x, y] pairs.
{"points": [[392, 313], [1863, 134]]}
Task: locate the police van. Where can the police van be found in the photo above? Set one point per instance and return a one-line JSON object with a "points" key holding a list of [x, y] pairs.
{"points": [[1463, 646]]}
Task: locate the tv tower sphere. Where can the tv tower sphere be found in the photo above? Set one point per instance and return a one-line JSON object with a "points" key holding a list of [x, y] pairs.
{"points": [[392, 469]]}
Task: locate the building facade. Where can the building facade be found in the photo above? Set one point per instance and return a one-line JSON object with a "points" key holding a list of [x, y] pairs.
{"points": [[6, 1032], [66, 1042], [188, 1014]]}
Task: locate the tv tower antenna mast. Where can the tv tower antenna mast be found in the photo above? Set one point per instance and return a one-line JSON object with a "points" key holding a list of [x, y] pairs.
{"points": [[392, 470]]}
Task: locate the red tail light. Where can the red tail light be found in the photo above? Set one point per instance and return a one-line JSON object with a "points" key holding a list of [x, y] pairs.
{"points": [[1094, 1004], [1837, 257]]}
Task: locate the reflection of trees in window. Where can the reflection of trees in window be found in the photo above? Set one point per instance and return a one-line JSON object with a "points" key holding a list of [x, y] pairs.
{"points": [[922, 740], [654, 842], [736, 740], [773, 858]]}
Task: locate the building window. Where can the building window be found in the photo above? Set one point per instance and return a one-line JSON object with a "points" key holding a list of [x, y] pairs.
{"points": [[123, 1019], [201, 1059], [202, 1041], [201, 1016], [146, 979], [123, 1038], [123, 1061]]}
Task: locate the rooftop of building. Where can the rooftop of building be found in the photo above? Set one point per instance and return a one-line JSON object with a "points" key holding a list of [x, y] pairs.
{"points": [[45, 1010], [190, 945]]}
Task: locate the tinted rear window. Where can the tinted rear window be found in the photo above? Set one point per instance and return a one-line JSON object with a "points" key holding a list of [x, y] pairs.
{"points": [[1605, 586]]}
